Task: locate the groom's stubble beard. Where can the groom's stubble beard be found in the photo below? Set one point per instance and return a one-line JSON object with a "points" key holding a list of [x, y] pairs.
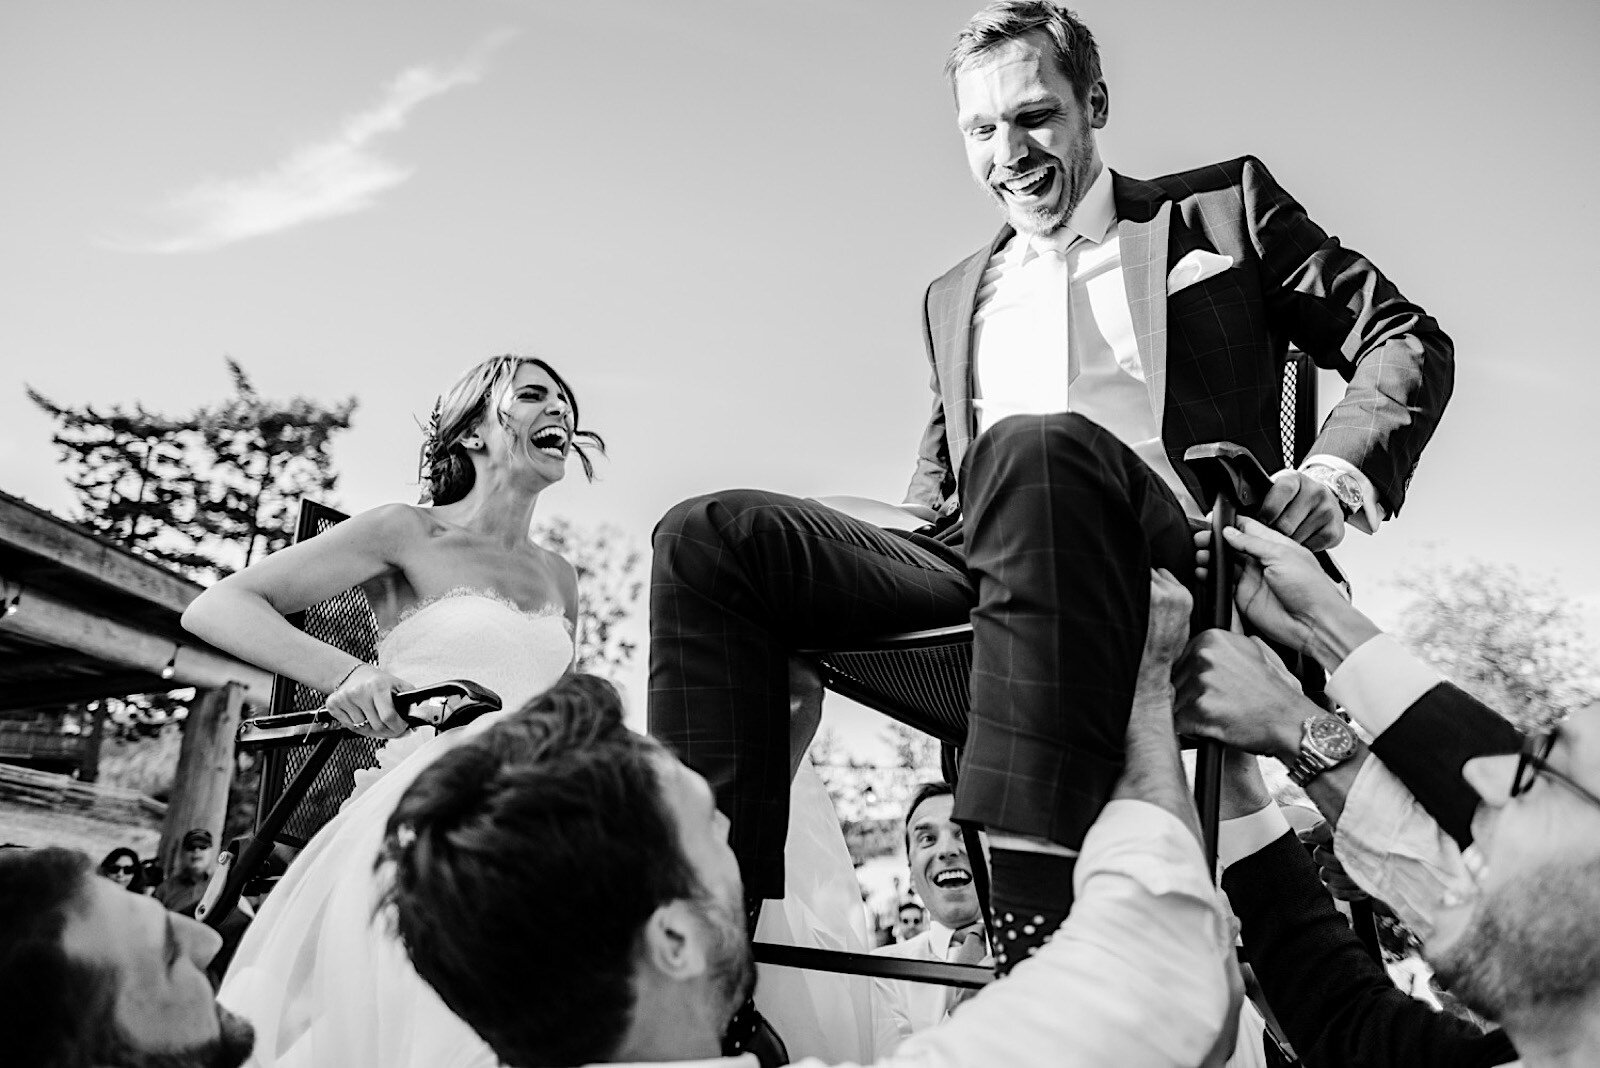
{"points": [[1529, 944], [230, 1049], [1076, 179]]}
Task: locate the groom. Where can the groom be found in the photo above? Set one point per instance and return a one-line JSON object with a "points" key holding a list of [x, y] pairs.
{"points": [[1111, 324]]}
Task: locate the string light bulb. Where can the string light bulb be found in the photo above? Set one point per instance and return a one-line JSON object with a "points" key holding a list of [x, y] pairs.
{"points": [[13, 602], [170, 668]]}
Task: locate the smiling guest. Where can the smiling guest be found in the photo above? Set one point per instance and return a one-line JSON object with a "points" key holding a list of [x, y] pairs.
{"points": [[122, 867], [942, 876], [92, 976]]}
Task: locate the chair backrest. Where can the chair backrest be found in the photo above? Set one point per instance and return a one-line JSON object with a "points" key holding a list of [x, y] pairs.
{"points": [[1297, 408], [346, 622]]}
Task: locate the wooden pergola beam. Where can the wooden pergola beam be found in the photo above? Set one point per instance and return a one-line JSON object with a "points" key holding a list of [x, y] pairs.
{"points": [[35, 531], [42, 618]]}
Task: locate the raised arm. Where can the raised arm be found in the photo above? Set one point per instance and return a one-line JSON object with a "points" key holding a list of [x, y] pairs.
{"points": [[1335, 305], [1138, 972], [244, 613]]}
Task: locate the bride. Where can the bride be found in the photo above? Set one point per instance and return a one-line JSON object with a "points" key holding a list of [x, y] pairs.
{"points": [[459, 591]]}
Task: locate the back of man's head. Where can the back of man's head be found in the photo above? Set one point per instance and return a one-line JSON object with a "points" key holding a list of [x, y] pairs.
{"points": [[55, 1012], [524, 864]]}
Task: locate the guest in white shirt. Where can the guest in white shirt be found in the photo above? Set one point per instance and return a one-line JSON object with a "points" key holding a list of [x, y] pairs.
{"points": [[941, 874]]}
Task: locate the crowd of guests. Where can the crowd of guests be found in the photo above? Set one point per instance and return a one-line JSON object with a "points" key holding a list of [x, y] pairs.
{"points": [[182, 890]]}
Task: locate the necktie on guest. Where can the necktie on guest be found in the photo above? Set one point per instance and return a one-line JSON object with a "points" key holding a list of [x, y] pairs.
{"points": [[967, 946]]}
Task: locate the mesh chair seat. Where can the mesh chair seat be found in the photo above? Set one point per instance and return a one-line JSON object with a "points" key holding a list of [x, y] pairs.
{"points": [[346, 622], [921, 678]]}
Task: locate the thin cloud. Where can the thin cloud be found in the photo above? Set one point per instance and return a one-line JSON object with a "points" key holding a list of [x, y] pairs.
{"points": [[339, 175]]}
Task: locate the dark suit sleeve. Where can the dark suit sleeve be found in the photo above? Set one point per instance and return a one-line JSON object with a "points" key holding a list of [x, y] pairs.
{"points": [[1429, 744], [933, 482], [1335, 1003], [1334, 304]]}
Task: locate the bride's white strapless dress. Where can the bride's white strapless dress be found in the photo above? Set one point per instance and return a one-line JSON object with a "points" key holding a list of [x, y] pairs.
{"points": [[318, 974]]}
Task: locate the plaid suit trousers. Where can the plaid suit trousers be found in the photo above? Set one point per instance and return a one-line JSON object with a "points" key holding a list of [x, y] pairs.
{"points": [[1063, 524]]}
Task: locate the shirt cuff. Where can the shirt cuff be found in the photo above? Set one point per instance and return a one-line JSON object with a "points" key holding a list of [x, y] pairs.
{"points": [[1148, 844], [1247, 835], [1371, 513], [1379, 681]]}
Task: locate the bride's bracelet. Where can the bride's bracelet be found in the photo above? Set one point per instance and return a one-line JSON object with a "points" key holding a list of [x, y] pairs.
{"points": [[357, 666]]}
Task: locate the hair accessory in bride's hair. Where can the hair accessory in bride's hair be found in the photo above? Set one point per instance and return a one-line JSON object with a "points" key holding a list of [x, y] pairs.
{"points": [[404, 835], [428, 459]]}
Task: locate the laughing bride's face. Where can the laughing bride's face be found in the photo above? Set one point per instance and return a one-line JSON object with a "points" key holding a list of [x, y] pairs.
{"points": [[531, 424]]}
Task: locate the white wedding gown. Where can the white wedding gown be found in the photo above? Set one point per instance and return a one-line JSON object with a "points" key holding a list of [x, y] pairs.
{"points": [[323, 981]]}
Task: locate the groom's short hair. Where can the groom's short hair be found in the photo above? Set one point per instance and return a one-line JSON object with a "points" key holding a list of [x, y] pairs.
{"points": [[523, 865], [1076, 54]]}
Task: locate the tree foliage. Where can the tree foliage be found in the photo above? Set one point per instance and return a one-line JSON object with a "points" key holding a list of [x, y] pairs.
{"points": [[128, 471], [870, 799], [1514, 642], [609, 586], [260, 458], [204, 492]]}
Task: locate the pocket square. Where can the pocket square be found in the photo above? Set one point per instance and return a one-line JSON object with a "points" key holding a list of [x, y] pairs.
{"points": [[1197, 266]]}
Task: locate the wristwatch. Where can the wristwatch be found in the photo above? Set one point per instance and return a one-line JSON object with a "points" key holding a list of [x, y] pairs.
{"points": [[1326, 741], [1346, 488]]}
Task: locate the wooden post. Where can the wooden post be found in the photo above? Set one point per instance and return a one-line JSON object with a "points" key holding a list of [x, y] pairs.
{"points": [[205, 770], [89, 766]]}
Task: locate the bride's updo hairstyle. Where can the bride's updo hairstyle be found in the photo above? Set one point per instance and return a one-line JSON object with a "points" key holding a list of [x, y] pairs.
{"points": [[445, 469]]}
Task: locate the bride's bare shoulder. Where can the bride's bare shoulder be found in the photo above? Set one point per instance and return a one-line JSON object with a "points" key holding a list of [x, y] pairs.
{"points": [[393, 526]]}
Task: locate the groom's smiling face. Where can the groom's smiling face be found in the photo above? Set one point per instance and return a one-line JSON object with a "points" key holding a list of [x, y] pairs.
{"points": [[1029, 139]]}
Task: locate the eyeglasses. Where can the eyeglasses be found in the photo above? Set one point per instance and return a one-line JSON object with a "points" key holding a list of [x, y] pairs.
{"points": [[1535, 758], [122, 869]]}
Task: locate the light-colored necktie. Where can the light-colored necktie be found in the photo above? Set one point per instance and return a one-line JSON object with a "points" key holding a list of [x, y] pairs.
{"points": [[1058, 302], [967, 946]]}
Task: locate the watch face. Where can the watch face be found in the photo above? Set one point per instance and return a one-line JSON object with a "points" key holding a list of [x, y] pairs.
{"points": [[1332, 737]]}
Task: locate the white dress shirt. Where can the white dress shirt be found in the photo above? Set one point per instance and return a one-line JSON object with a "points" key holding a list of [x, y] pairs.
{"points": [[1051, 332], [1133, 977], [1386, 840], [900, 1008]]}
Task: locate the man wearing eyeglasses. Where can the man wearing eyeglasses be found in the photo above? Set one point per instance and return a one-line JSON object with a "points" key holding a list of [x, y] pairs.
{"points": [[1487, 843]]}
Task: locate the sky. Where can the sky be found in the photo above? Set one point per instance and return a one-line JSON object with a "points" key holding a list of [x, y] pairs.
{"points": [[717, 219]]}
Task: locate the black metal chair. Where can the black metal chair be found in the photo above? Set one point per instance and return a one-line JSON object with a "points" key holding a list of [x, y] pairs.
{"points": [[309, 760]]}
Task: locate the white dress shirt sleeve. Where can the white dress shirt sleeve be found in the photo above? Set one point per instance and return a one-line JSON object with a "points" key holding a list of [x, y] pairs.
{"points": [[1379, 681], [1396, 852], [1134, 976], [1246, 835]]}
